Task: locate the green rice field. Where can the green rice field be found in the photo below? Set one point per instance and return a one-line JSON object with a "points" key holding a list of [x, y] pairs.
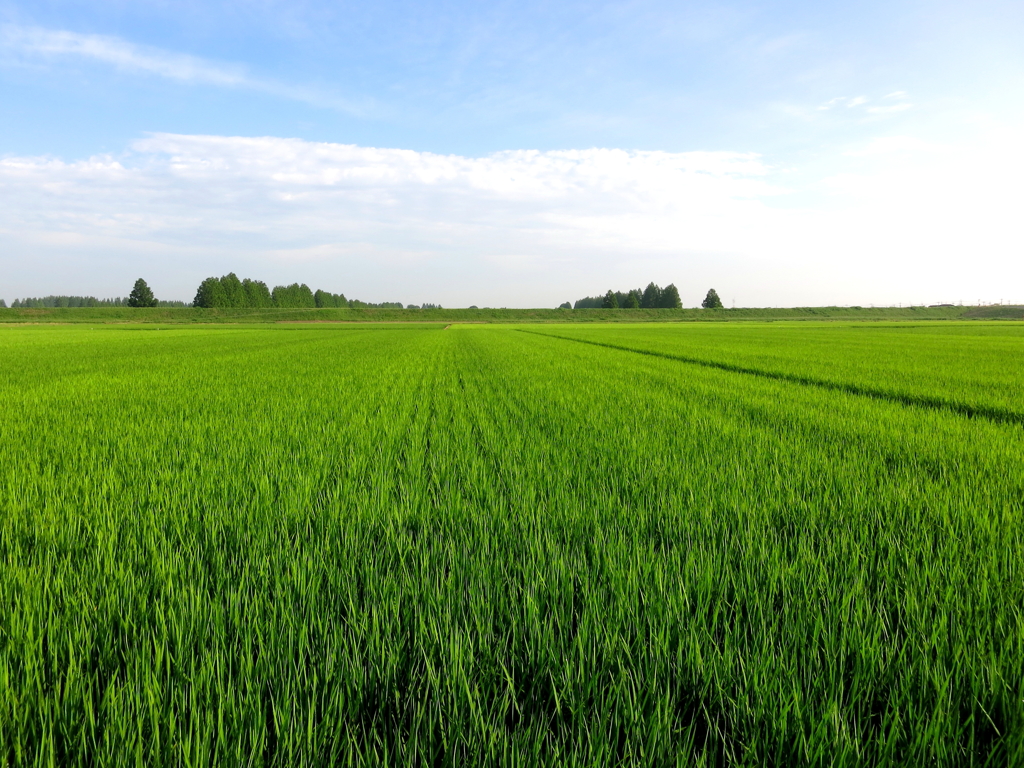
{"points": [[567, 545]]}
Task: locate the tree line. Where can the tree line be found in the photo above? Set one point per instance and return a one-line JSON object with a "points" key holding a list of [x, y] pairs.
{"points": [[229, 291], [651, 297], [56, 302]]}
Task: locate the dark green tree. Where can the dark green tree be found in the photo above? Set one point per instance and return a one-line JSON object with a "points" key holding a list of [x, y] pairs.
{"points": [[140, 296], [325, 299], [210, 294], [711, 301], [565, 305], [610, 301], [3, 304], [652, 297], [670, 298], [234, 294], [293, 296], [256, 294], [632, 300]]}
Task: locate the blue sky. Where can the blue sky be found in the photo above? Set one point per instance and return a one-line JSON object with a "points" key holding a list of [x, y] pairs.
{"points": [[529, 153]]}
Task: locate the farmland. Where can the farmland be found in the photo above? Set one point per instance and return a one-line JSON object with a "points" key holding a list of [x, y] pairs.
{"points": [[166, 315], [730, 544]]}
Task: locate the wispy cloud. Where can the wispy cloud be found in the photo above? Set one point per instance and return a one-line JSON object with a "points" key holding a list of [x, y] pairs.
{"points": [[35, 41], [40, 43], [897, 101], [843, 101], [901, 104]]}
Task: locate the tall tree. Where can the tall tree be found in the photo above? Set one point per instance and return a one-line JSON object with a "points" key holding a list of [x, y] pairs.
{"points": [[210, 294], [670, 298], [632, 300], [234, 294], [610, 301], [140, 296], [293, 296], [652, 297], [325, 299], [256, 293], [711, 301]]}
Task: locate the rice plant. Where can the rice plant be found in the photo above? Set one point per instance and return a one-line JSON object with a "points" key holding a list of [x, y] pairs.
{"points": [[483, 546]]}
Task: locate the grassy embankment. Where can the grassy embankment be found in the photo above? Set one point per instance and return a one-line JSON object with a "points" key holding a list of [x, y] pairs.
{"points": [[191, 315]]}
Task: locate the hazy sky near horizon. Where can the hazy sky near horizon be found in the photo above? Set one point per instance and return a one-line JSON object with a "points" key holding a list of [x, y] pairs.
{"points": [[515, 154]]}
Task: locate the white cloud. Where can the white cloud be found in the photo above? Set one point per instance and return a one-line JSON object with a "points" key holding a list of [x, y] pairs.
{"points": [[289, 191], [516, 227], [49, 44]]}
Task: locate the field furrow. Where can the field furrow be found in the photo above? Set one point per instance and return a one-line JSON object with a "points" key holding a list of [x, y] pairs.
{"points": [[976, 370]]}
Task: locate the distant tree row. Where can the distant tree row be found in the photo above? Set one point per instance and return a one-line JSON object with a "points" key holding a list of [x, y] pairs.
{"points": [[51, 302], [651, 297], [229, 291]]}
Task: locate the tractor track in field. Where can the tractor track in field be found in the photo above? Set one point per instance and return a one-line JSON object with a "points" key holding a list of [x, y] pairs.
{"points": [[998, 415]]}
